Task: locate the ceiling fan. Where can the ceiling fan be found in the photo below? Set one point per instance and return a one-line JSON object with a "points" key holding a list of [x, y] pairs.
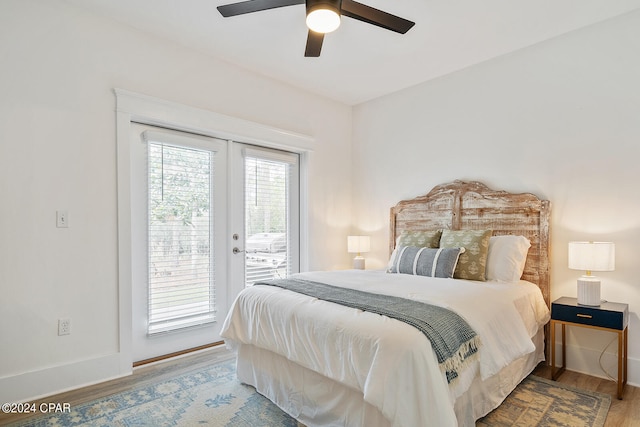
{"points": [[323, 16]]}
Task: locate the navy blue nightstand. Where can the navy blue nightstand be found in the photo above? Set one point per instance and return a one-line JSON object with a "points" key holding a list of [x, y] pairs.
{"points": [[609, 316]]}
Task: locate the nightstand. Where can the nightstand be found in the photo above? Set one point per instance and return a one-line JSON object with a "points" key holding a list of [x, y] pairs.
{"points": [[609, 316]]}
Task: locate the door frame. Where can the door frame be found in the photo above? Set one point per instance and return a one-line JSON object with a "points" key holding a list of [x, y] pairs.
{"points": [[132, 107]]}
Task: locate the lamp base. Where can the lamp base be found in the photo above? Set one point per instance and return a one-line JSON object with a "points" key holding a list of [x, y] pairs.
{"points": [[589, 291], [358, 263]]}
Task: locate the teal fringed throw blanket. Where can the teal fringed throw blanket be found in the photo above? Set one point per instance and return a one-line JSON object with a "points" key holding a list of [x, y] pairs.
{"points": [[452, 339]]}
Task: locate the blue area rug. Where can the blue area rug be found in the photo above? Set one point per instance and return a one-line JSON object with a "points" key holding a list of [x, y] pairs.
{"points": [[211, 396]]}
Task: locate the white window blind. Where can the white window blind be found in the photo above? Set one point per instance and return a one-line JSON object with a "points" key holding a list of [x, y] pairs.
{"points": [[180, 232], [268, 223]]}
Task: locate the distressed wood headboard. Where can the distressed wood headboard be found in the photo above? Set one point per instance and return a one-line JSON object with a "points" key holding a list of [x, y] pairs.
{"points": [[473, 206]]}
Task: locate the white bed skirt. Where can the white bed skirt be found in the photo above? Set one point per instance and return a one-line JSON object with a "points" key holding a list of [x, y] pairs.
{"points": [[318, 401]]}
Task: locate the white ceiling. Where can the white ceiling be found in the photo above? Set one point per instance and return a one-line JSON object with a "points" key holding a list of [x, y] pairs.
{"points": [[359, 61]]}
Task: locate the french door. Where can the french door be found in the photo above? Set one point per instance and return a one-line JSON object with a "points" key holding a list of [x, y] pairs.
{"points": [[266, 194], [209, 217]]}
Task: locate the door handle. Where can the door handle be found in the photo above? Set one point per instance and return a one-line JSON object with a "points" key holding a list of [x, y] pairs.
{"points": [[236, 250]]}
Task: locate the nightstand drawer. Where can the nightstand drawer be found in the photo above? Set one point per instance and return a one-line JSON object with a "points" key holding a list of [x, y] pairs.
{"points": [[607, 315]]}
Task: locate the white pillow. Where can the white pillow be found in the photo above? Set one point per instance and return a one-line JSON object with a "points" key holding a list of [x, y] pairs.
{"points": [[506, 258]]}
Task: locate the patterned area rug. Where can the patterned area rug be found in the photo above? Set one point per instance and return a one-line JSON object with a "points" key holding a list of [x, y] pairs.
{"points": [[540, 402], [213, 396]]}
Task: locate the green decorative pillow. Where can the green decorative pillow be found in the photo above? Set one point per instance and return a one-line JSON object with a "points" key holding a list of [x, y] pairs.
{"points": [[421, 239], [473, 262]]}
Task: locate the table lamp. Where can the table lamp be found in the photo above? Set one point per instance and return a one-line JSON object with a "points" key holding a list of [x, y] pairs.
{"points": [[591, 256], [358, 245]]}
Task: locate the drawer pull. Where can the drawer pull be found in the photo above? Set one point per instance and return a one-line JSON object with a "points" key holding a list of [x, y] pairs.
{"points": [[586, 316]]}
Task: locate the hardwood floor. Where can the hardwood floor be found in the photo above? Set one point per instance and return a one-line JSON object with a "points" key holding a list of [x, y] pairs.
{"points": [[623, 413], [141, 376]]}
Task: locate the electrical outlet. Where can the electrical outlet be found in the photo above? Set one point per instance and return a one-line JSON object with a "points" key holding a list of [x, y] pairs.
{"points": [[64, 326]]}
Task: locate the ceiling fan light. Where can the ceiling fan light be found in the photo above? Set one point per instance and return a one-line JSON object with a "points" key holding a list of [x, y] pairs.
{"points": [[323, 20]]}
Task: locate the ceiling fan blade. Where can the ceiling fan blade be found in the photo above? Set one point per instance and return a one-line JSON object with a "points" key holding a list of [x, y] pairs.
{"points": [[374, 16], [314, 44], [241, 8]]}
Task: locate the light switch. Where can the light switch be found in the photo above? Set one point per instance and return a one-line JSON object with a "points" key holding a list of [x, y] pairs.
{"points": [[62, 219]]}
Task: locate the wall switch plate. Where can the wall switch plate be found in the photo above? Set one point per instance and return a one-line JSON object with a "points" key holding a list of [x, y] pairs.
{"points": [[64, 326], [62, 219]]}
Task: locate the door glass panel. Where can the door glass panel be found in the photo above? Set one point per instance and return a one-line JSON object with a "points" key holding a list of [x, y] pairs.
{"points": [[180, 227], [267, 219]]}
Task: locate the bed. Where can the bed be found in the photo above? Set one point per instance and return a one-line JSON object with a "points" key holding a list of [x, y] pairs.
{"points": [[329, 364]]}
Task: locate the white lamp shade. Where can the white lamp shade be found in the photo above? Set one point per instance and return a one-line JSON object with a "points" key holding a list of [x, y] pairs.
{"points": [[358, 244], [592, 256]]}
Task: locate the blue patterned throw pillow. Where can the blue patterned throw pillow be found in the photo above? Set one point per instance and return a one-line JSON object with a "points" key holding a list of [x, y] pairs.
{"points": [[431, 262]]}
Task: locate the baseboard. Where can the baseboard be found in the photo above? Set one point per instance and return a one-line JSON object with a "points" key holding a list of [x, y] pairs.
{"points": [[585, 361], [29, 386], [177, 354]]}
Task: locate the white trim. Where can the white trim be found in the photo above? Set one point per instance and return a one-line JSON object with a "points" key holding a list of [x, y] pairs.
{"points": [[125, 271], [303, 171], [154, 111], [179, 140], [29, 386], [270, 155], [235, 224]]}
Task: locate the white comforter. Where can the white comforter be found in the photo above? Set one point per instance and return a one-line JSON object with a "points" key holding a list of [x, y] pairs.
{"points": [[390, 362]]}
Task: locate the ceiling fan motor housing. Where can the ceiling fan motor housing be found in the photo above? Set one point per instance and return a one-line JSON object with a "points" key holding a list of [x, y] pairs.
{"points": [[334, 5]]}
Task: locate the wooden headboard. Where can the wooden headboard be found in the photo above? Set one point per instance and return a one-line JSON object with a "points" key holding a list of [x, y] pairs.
{"points": [[473, 206]]}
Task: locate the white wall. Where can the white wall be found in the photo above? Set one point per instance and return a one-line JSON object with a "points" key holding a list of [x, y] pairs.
{"points": [[58, 68], [560, 119]]}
